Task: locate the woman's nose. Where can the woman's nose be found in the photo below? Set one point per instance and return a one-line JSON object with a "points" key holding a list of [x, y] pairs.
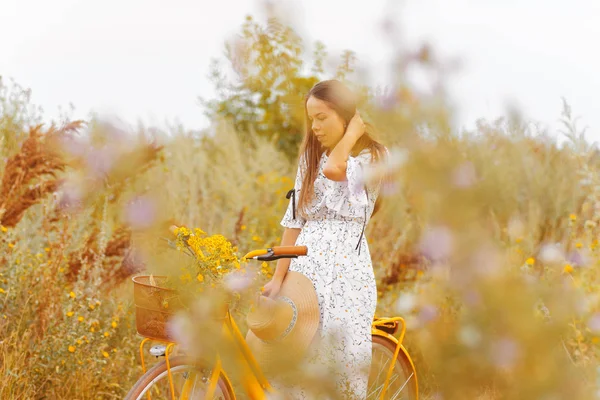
{"points": [[316, 127]]}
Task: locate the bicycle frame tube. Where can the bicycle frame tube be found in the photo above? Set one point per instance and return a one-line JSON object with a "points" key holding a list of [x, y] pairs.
{"points": [[383, 321], [254, 369], [168, 351]]}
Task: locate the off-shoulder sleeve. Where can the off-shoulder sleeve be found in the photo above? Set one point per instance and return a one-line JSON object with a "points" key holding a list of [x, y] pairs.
{"points": [[349, 196], [292, 218]]}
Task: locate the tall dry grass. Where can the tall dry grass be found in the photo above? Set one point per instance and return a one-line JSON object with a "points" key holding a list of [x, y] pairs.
{"points": [[487, 245]]}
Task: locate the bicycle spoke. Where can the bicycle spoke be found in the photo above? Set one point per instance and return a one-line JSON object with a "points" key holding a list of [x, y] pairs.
{"points": [[400, 378]]}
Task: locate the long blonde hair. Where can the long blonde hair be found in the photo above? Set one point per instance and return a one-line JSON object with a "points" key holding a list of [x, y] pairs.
{"points": [[340, 98]]}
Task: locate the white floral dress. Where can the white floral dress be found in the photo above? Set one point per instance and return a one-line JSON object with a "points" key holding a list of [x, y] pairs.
{"points": [[339, 265]]}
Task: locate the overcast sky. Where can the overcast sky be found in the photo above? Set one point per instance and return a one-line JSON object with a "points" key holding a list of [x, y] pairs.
{"points": [[149, 59]]}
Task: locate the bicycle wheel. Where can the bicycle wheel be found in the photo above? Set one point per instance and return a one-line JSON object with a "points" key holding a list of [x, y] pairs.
{"points": [[156, 382], [403, 382]]}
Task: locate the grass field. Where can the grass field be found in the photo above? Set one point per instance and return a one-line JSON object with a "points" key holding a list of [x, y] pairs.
{"points": [[487, 243]]}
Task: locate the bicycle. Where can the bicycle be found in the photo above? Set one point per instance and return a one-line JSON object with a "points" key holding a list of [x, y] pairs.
{"points": [[392, 376]]}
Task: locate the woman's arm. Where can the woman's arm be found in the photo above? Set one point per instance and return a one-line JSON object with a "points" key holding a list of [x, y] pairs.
{"points": [[335, 167], [290, 235]]}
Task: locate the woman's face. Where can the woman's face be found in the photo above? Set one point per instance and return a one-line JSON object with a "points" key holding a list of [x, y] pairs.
{"points": [[327, 125]]}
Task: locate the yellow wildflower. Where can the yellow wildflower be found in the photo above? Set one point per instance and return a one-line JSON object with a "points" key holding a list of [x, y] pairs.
{"points": [[46, 249], [105, 354], [243, 227], [4, 229], [578, 245], [92, 307], [186, 278], [573, 217], [568, 269], [106, 334], [72, 349], [200, 278], [72, 295], [2, 290], [79, 341], [114, 324], [70, 314], [11, 245], [530, 261], [80, 319]]}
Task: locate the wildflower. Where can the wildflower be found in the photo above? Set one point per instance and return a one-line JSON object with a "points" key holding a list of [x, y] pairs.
{"points": [[573, 217], [72, 349], [255, 238], [92, 307], [200, 278], [72, 295], [70, 314], [11, 245], [114, 324], [578, 245], [186, 278], [105, 354], [79, 341], [46, 249], [530, 261], [2, 290], [3, 228], [243, 227], [106, 334], [80, 319], [568, 269]]}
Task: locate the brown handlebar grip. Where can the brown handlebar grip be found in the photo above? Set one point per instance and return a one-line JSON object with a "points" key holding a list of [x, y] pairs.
{"points": [[289, 250]]}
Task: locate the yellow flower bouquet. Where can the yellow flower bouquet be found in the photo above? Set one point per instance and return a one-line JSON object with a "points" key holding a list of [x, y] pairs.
{"points": [[204, 270]]}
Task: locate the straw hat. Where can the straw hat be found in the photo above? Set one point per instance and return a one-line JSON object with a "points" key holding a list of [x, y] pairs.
{"points": [[286, 325]]}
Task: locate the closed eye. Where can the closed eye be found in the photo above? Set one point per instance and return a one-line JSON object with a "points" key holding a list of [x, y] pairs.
{"points": [[319, 116]]}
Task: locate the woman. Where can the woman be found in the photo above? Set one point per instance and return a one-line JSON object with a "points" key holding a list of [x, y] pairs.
{"points": [[328, 212]]}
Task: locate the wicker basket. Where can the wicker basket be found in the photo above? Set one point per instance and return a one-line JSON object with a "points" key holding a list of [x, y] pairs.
{"points": [[154, 307]]}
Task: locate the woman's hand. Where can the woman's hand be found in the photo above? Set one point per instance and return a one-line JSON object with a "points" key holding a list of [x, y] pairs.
{"points": [[356, 127], [271, 289]]}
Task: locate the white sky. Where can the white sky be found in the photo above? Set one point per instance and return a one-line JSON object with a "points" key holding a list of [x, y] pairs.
{"points": [[149, 59]]}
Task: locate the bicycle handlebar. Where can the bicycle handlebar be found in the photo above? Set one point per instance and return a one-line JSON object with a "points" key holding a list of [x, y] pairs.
{"points": [[277, 252]]}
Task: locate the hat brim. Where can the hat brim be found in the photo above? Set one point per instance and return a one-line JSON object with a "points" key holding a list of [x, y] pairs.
{"points": [[295, 344]]}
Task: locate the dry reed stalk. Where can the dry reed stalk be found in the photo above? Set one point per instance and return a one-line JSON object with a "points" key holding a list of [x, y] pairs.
{"points": [[404, 269], [31, 174], [238, 227]]}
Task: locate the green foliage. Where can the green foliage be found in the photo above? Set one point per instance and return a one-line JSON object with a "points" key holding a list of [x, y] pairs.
{"points": [[271, 81]]}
